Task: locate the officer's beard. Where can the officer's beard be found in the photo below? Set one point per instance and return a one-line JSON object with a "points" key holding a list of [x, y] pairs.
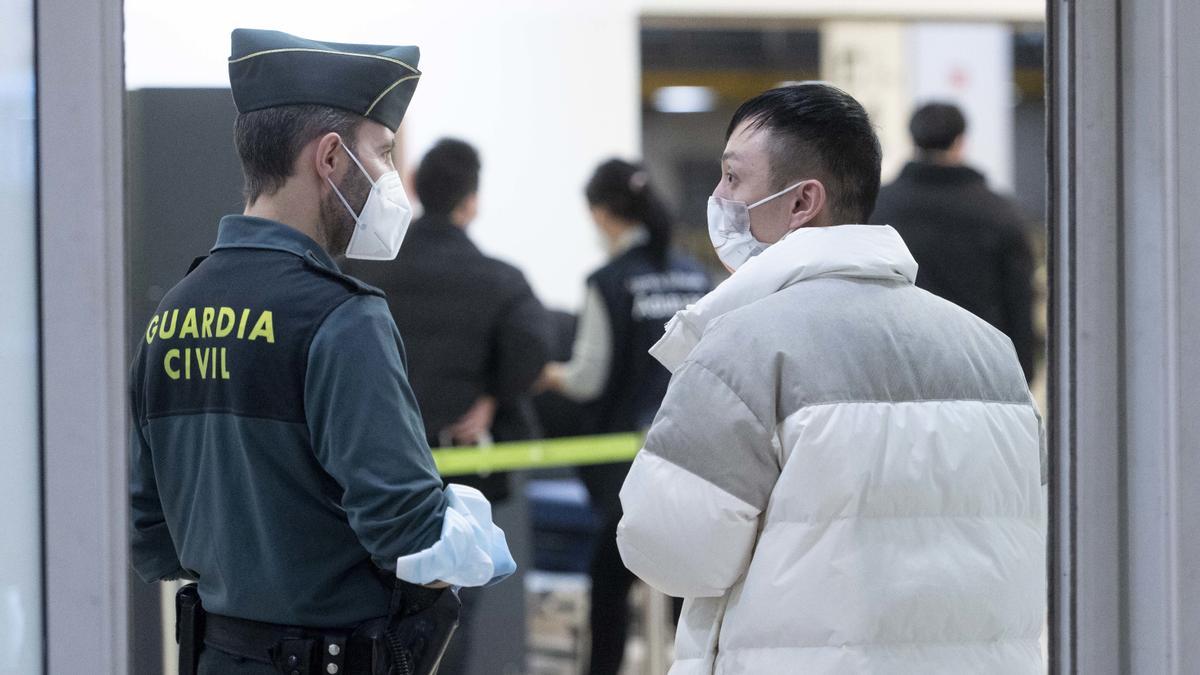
{"points": [[337, 224]]}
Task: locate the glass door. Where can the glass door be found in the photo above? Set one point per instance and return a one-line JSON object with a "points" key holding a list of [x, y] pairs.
{"points": [[20, 433]]}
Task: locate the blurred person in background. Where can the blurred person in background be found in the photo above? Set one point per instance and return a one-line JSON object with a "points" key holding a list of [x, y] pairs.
{"points": [[474, 331], [628, 301], [969, 241], [558, 415], [844, 473]]}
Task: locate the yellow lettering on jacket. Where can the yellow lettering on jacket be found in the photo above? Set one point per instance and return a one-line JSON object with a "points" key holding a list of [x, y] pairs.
{"points": [[172, 373], [152, 329], [202, 363], [211, 360], [164, 332], [207, 323], [189, 328], [226, 318], [264, 328], [242, 325]]}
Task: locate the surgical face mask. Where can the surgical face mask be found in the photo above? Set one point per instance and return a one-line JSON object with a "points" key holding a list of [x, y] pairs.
{"points": [[729, 228], [380, 228]]}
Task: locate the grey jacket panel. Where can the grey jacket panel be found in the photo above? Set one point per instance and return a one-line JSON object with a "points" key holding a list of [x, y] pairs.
{"points": [[705, 427], [833, 340], [821, 341]]}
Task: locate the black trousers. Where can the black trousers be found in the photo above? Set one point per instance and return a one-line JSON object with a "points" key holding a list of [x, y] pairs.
{"points": [[610, 601], [611, 582]]}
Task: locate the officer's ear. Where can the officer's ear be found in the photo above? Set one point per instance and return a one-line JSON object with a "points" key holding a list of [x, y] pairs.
{"points": [[328, 157]]}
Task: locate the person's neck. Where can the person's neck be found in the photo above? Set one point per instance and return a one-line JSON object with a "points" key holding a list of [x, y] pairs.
{"points": [[459, 221], [444, 219], [822, 219], [282, 207], [940, 158]]}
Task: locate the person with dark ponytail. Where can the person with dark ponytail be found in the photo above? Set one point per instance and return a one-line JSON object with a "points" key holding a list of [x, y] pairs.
{"points": [[629, 300]]}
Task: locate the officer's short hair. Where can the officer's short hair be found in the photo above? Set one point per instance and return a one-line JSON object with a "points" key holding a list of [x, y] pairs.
{"points": [[819, 131], [935, 126], [448, 174], [269, 141]]}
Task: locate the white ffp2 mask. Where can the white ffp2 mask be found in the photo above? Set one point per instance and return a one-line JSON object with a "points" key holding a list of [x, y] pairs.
{"points": [[379, 230], [729, 228]]}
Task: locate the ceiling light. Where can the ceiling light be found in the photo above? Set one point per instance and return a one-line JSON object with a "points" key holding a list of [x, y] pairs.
{"points": [[685, 99]]}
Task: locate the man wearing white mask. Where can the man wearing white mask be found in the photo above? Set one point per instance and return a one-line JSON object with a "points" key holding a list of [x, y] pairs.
{"points": [[277, 456], [844, 475]]}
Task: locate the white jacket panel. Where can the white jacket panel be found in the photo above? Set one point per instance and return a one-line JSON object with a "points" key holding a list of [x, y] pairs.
{"points": [[694, 543], [918, 528]]}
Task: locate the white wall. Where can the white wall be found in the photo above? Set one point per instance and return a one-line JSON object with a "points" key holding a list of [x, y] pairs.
{"points": [[546, 93]]}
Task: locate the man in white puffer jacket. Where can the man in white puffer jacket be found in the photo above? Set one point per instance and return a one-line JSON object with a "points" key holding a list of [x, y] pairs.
{"points": [[844, 475]]}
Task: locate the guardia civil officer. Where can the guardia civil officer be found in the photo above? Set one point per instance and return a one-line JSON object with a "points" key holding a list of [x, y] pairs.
{"points": [[628, 302], [278, 457]]}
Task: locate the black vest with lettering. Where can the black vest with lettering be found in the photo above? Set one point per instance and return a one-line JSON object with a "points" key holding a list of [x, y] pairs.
{"points": [[640, 297], [233, 336]]}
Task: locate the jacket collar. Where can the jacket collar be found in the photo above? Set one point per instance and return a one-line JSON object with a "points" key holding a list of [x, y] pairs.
{"points": [[928, 172], [853, 251], [239, 231], [437, 222], [440, 226]]}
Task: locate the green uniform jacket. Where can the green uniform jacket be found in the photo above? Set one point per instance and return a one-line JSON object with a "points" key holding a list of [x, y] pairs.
{"points": [[277, 452]]}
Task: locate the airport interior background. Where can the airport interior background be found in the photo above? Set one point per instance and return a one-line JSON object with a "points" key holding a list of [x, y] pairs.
{"points": [[117, 123], [556, 101]]}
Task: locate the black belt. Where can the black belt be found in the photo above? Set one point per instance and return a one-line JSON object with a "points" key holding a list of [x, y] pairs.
{"points": [[294, 650]]}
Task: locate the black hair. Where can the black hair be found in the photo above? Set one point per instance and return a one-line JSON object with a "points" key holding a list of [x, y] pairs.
{"points": [[935, 126], [624, 190], [819, 131], [448, 174], [269, 141]]}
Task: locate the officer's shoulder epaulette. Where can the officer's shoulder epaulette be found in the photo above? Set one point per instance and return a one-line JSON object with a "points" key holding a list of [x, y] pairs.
{"points": [[354, 285], [195, 264]]}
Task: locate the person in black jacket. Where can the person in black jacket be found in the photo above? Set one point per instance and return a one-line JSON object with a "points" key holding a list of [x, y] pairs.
{"points": [[969, 241], [629, 300], [475, 332]]}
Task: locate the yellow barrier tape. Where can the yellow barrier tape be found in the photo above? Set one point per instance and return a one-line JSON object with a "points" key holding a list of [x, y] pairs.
{"points": [[517, 455]]}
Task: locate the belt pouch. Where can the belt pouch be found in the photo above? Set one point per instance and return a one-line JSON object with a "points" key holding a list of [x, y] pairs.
{"points": [[189, 628]]}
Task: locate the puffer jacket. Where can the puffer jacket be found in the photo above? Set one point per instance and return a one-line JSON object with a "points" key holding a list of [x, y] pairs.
{"points": [[844, 475]]}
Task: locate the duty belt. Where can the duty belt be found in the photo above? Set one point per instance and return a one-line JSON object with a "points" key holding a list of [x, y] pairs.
{"points": [[294, 650]]}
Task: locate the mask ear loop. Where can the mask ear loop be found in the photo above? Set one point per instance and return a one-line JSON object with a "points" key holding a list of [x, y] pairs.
{"points": [[764, 200], [345, 203], [362, 169], [339, 192]]}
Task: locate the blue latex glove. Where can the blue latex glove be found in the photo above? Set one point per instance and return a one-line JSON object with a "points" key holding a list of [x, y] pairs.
{"points": [[472, 550]]}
